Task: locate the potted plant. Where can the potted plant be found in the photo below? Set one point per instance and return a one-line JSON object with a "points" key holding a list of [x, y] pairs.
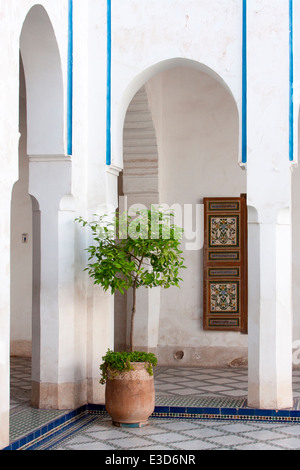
{"points": [[130, 252]]}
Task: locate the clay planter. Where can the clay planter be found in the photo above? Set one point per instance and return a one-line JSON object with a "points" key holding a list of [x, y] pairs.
{"points": [[130, 396]]}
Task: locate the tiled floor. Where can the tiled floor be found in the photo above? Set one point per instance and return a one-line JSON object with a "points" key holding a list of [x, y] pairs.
{"points": [[176, 434], [185, 382], [177, 387]]}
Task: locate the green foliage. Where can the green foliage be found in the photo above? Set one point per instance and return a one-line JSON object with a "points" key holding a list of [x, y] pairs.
{"points": [[133, 252], [121, 361]]}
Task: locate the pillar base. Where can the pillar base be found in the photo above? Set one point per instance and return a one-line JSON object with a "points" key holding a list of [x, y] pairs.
{"points": [[265, 397], [64, 396], [4, 429], [96, 392]]}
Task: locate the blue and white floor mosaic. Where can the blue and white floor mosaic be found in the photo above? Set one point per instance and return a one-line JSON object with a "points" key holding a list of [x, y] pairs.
{"points": [[196, 409]]}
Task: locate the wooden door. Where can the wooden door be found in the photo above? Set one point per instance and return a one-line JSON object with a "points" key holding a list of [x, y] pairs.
{"points": [[225, 289]]}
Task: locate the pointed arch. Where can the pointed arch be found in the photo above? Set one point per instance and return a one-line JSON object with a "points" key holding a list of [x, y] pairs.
{"points": [[44, 84]]}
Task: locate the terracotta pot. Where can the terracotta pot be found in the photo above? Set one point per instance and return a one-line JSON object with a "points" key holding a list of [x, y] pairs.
{"points": [[130, 396]]}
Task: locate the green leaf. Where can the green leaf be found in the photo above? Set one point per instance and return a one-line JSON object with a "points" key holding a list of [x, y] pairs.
{"points": [[117, 263]]}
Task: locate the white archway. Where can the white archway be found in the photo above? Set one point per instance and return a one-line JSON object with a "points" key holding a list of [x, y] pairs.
{"points": [[48, 181], [196, 119], [44, 84], [21, 243], [119, 113]]}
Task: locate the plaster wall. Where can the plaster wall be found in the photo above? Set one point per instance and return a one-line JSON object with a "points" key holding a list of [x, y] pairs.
{"points": [[142, 62], [197, 127], [203, 43], [210, 38], [21, 250], [296, 184], [209, 41], [59, 186], [12, 16], [296, 256]]}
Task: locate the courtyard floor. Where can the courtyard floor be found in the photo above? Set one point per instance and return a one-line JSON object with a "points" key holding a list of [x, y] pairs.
{"points": [[196, 409]]}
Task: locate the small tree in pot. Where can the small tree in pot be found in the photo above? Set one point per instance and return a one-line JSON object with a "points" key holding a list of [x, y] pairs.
{"points": [[129, 253]]}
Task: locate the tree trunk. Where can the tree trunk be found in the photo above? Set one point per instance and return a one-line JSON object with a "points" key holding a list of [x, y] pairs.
{"points": [[132, 316]]}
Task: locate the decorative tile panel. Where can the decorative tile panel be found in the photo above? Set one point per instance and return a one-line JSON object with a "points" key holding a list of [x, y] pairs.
{"points": [[224, 322], [224, 272], [225, 264], [224, 256], [224, 206], [224, 297], [223, 231]]}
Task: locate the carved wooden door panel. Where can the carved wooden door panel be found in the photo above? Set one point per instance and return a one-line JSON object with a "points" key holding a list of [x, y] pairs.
{"points": [[225, 289]]}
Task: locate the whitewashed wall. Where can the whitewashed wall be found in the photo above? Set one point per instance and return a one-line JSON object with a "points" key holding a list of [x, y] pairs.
{"points": [[149, 39], [198, 150], [208, 34]]}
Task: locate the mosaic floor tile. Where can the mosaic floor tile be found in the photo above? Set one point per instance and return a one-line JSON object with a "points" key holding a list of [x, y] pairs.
{"points": [[288, 443], [258, 446], [185, 392], [128, 442], [195, 445], [233, 393], [181, 388], [230, 440], [291, 430], [205, 401], [263, 435], [29, 419], [237, 427], [108, 432], [206, 381], [179, 426], [215, 388], [169, 437], [200, 433], [207, 437], [88, 446]]}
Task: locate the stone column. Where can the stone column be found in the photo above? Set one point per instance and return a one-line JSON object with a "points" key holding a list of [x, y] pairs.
{"points": [[269, 201], [9, 137], [4, 313], [270, 311], [54, 365], [146, 325]]}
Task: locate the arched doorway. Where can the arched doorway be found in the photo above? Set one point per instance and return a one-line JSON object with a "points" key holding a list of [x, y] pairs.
{"points": [[35, 201], [196, 124], [21, 270], [44, 85], [21, 243]]}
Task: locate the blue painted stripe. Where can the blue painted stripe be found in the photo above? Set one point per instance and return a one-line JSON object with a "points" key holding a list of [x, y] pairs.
{"points": [[70, 82], [244, 84], [108, 102], [291, 80]]}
